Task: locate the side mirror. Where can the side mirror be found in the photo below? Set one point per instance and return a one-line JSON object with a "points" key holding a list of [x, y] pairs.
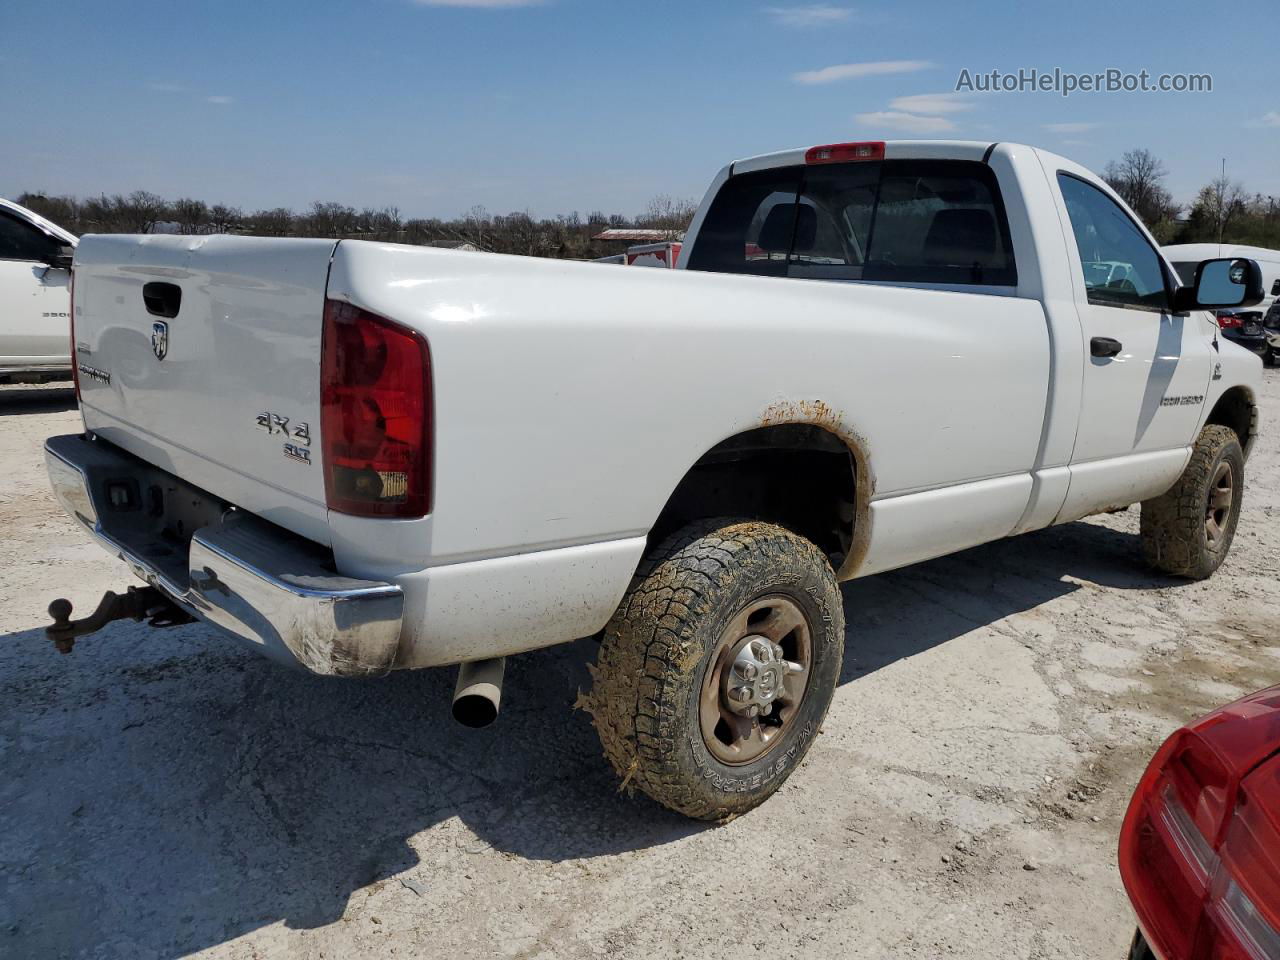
{"points": [[1220, 284], [62, 257]]}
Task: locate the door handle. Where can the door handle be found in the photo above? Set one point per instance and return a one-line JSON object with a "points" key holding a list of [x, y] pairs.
{"points": [[1105, 347]]}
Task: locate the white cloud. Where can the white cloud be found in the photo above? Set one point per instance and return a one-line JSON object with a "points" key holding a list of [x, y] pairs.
{"points": [[848, 71], [220, 99], [478, 4], [1070, 127], [932, 103], [815, 15], [906, 122], [1269, 119]]}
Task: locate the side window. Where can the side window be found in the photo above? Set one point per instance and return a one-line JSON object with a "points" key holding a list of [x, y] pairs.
{"points": [[750, 225], [904, 221], [1121, 268], [21, 241]]}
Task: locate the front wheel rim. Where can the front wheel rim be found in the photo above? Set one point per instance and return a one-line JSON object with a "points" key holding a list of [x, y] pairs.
{"points": [[1219, 503], [756, 680]]}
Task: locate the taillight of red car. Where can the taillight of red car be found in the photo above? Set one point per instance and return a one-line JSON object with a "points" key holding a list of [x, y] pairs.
{"points": [[375, 415], [1200, 845], [1229, 321]]}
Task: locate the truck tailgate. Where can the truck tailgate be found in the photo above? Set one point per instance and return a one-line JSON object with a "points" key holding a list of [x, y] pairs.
{"points": [[201, 355]]}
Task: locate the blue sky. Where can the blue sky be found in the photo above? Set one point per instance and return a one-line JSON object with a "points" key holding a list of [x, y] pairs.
{"points": [[565, 105]]}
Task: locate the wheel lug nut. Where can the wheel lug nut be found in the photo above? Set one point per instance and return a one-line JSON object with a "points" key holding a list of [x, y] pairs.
{"points": [[743, 694], [750, 671]]}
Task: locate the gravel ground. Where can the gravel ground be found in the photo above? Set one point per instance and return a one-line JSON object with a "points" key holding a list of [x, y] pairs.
{"points": [[164, 793]]}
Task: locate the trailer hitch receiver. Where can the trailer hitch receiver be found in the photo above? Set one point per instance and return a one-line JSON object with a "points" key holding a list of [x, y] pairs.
{"points": [[138, 604]]}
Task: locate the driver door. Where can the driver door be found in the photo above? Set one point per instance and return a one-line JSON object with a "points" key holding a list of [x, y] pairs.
{"points": [[1146, 367]]}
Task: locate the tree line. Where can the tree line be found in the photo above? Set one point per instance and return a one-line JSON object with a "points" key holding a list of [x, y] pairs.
{"points": [[1224, 211], [566, 236]]}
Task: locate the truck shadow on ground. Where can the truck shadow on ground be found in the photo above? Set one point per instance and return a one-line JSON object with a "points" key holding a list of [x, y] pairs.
{"points": [[164, 793], [30, 400]]}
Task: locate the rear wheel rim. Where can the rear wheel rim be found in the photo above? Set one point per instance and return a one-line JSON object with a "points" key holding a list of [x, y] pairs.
{"points": [[756, 680], [1218, 506]]}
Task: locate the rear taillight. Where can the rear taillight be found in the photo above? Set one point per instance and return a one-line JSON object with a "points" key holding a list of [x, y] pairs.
{"points": [[845, 152], [1229, 321], [375, 415], [1194, 860], [75, 355]]}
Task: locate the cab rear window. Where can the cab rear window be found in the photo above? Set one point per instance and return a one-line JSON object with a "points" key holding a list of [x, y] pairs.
{"points": [[904, 221]]}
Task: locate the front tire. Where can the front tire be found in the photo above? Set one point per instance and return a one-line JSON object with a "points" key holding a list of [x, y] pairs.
{"points": [[718, 667], [1188, 530]]}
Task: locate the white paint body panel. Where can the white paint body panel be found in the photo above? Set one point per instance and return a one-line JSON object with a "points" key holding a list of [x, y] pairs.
{"points": [[569, 401], [34, 303]]}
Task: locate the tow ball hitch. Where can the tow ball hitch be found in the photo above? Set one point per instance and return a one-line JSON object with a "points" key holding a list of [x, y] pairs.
{"points": [[138, 604]]}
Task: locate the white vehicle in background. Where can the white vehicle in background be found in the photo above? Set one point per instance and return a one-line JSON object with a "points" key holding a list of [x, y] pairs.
{"points": [[1185, 257], [1252, 328], [35, 303], [357, 457]]}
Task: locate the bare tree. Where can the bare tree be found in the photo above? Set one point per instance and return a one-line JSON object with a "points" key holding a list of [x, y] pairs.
{"points": [[665, 212], [190, 215], [224, 219], [278, 222], [478, 225], [1139, 179], [140, 211], [1223, 201]]}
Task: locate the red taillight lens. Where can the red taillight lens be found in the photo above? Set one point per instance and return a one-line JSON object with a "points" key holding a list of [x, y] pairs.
{"points": [[1195, 858], [71, 310], [1229, 321], [845, 152], [375, 415]]}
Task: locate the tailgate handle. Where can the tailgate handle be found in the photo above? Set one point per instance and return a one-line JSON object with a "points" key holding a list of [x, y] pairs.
{"points": [[162, 299]]}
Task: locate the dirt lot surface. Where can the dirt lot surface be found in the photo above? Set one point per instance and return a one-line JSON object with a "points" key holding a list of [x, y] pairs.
{"points": [[164, 793]]}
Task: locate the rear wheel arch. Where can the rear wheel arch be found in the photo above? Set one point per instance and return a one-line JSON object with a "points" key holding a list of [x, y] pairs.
{"points": [[809, 477]]}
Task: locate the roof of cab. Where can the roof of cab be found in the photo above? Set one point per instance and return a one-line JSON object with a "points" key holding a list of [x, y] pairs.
{"points": [[893, 150]]}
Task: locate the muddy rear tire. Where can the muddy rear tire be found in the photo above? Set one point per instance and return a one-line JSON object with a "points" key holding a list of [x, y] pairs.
{"points": [[717, 669], [1188, 530]]}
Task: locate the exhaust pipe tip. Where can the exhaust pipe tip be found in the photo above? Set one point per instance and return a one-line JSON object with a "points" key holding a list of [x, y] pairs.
{"points": [[478, 694]]}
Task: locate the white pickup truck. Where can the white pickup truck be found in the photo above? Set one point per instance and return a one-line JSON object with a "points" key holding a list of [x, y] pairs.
{"points": [[35, 267], [360, 457]]}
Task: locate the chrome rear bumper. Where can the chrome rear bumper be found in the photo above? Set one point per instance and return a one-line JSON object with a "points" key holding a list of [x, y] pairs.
{"points": [[252, 579]]}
